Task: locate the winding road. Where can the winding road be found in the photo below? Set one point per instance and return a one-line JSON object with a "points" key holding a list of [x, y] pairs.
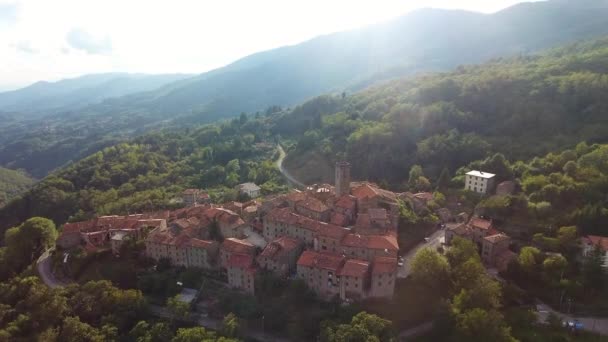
{"points": [[46, 273], [291, 179]]}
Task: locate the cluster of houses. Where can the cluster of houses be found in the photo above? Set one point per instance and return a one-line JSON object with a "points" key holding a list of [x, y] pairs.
{"points": [[341, 240]]}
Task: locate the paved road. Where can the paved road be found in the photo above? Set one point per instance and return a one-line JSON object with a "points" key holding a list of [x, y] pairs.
{"points": [[435, 241], [46, 274], [593, 324], [291, 179]]}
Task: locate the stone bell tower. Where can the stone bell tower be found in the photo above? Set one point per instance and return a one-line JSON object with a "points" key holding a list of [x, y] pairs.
{"points": [[342, 178]]}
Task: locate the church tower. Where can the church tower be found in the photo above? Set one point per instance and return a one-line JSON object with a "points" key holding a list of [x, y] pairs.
{"points": [[342, 178]]}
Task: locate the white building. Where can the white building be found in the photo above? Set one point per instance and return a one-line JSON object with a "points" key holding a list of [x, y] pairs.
{"points": [[251, 189], [480, 182]]}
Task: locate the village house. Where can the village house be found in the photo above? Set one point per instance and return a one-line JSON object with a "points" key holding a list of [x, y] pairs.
{"points": [[375, 222], [456, 230], [369, 195], [479, 181], [320, 235], [368, 247], [493, 246], [280, 256], [320, 272], [249, 189], [181, 249], [384, 274], [107, 231], [345, 211], [232, 246], [480, 228], [241, 272], [354, 280], [591, 242]]}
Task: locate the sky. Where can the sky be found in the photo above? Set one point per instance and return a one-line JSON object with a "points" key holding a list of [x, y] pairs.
{"points": [[55, 39]]}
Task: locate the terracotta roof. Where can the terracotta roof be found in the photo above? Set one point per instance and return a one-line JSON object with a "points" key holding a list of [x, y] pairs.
{"points": [[197, 243], [240, 261], [296, 196], [233, 245], [458, 228], [480, 223], [364, 191], [338, 219], [285, 215], [313, 204], [280, 246], [496, 238], [382, 265], [354, 268], [331, 262], [346, 202], [595, 240], [387, 242]]}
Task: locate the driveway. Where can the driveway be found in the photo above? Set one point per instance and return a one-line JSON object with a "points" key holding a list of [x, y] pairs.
{"points": [[435, 240], [291, 179]]}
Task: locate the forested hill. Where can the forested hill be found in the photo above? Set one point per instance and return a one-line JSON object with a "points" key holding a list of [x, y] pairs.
{"points": [[12, 184], [420, 41], [149, 173], [522, 107]]}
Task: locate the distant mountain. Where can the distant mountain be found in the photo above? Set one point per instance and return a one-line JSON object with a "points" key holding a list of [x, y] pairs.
{"points": [[422, 41], [45, 97]]}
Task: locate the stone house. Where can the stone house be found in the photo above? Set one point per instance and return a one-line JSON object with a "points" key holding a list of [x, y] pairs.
{"points": [[280, 256], [232, 246], [320, 272], [479, 181], [354, 280], [384, 274], [493, 246], [241, 273]]}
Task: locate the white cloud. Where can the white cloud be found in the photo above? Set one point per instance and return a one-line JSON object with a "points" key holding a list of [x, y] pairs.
{"points": [[74, 37], [80, 39]]}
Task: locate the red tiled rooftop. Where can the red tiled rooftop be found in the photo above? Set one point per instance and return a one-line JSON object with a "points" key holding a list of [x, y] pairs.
{"points": [[497, 238], [387, 242], [331, 262], [346, 202], [595, 240], [313, 204], [233, 245], [279, 246], [382, 265], [364, 191], [480, 223], [197, 243], [354, 268]]}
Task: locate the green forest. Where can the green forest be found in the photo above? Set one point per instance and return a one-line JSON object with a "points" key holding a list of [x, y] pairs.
{"points": [[149, 172], [12, 184], [522, 107]]}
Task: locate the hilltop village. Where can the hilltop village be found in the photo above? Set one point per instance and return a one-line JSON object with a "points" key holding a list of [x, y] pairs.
{"points": [[341, 239]]}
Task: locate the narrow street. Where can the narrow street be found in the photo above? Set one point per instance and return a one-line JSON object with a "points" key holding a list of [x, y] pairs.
{"points": [[435, 241], [593, 324]]}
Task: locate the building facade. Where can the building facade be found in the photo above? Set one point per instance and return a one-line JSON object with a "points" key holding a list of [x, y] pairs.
{"points": [[479, 181]]}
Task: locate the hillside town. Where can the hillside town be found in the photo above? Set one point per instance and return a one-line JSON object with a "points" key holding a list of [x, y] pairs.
{"points": [[341, 239]]}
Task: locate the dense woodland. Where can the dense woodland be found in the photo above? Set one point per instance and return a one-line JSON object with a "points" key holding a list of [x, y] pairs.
{"points": [[522, 107], [12, 184], [149, 173]]}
